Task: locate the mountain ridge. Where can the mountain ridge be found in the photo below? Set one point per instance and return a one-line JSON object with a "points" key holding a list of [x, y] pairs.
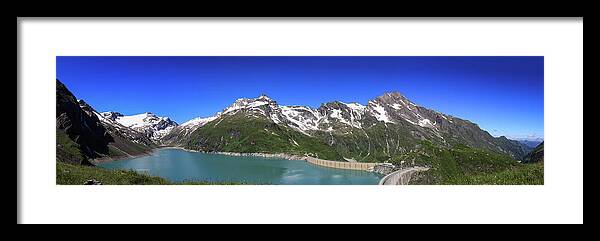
{"points": [[83, 135], [388, 125], [344, 119]]}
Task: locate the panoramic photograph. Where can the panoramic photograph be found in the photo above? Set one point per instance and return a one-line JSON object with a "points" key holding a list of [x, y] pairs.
{"points": [[299, 120]]}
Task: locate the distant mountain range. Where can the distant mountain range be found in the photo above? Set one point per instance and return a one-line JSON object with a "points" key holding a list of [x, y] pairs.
{"points": [[387, 126], [531, 143], [154, 127]]}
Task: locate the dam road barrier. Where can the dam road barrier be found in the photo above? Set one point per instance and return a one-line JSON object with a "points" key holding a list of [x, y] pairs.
{"points": [[382, 168]]}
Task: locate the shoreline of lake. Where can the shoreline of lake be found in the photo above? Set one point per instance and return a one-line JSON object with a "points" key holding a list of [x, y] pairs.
{"points": [[316, 161], [178, 164], [254, 154], [107, 159]]}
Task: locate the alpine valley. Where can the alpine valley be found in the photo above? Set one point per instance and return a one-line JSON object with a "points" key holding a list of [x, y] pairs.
{"points": [[389, 128]]}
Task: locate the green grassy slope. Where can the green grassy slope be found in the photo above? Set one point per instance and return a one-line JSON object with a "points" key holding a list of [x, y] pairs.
{"points": [[536, 155], [68, 174], [465, 165], [451, 163], [377, 143], [248, 134], [67, 150], [523, 174]]}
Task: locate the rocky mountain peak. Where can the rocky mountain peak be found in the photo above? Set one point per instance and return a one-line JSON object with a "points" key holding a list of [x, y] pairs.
{"points": [[392, 109], [394, 94], [264, 97], [392, 98], [112, 115], [151, 117], [260, 104], [148, 123], [333, 105]]}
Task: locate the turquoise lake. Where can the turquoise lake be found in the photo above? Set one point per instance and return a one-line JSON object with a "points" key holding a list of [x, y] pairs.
{"points": [[180, 165]]}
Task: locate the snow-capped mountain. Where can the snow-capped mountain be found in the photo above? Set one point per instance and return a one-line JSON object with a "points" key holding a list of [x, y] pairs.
{"points": [[116, 127], [258, 106], [153, 126], [384, 127], [181, 131], [336, 121], [84, 135], [389, 108]]}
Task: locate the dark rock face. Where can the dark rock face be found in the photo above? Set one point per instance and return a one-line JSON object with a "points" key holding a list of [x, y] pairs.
{"points": [[112, 115], [513, 148], [84, 129], [164, 123], [94, 138], [452, 129], [536, 155], [159, 124], [92, 182]]}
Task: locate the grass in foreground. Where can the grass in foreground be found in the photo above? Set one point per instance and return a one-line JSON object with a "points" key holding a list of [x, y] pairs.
{"points": [[524, 174], [463, 165], [68, 174]]}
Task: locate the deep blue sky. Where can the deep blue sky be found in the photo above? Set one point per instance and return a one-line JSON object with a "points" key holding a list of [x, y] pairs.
{"points": [[504, 95]]}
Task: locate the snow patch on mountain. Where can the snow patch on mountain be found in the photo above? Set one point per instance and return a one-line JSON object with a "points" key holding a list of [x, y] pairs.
{"points": [[302, 117], [407, 106], [379, 112], [256, 104], [157, 134], [139, 120], [264, 98], [425, 123], [200, 121], [275, 118], [337, 114], [232, 109], [356, 107], [155, 127]]}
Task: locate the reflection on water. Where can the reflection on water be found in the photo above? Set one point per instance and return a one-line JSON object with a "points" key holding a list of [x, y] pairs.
{"points": [[180, 165]]}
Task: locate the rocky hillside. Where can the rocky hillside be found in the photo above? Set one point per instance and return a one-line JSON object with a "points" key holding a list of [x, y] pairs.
{"points": [[386, 126], [83, 134], [536, 155], [153, 126]]}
